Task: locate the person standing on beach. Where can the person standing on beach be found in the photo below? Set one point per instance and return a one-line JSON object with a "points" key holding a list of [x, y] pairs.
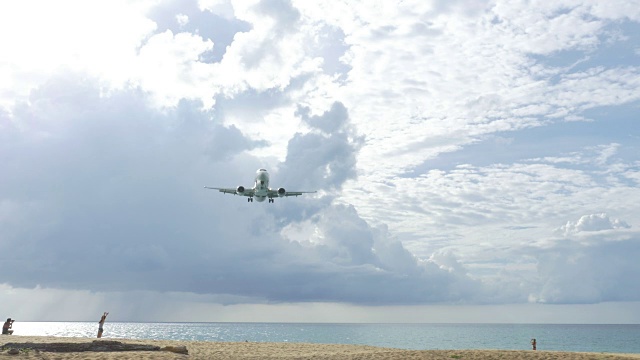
{"points": [[533, 344], [101, 324], [6, 328]]}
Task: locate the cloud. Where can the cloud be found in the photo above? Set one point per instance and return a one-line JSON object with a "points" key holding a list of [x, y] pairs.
{"points": [[213, 21], [592, 263], [599, 271], [364, 265], [270, 55], [323, 159], [103, 183], [104, 193], [285, 16], [593, 222], [396, 113], [87, 43]]}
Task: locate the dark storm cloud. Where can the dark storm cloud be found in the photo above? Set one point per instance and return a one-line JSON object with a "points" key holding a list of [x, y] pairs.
{"points": [[352, 262], [349, 260], [325, 158], [105, 193]]}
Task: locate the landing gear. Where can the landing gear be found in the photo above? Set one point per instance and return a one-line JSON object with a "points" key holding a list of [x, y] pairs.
{"points": [[270, 200], [250, 199]]}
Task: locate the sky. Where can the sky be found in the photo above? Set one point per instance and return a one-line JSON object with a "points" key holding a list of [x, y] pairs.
{"points": [[475, 161]]}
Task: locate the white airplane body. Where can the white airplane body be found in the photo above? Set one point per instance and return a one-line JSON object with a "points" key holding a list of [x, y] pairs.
{"points": [[260, 190]]}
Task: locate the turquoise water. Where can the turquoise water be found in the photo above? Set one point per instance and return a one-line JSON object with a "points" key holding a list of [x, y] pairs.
{"points": [[591, 338]]}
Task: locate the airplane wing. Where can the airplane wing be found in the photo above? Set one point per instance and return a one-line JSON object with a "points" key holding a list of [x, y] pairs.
{"points": [[246, 192], [277, 193]]}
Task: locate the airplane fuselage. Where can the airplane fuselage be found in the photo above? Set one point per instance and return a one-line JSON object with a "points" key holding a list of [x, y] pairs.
{"points": [[261, 185]]}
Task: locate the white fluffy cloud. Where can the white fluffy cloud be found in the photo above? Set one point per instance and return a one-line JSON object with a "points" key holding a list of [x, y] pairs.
{"points": [[39, 38], [593, 222], [592, 271]]}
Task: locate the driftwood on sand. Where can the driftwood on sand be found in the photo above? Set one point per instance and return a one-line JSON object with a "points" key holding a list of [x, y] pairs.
{"points": [[96, 345]]}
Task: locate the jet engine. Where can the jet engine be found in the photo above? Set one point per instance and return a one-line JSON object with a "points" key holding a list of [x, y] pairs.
{"points": [[281, 192], [240, 189]]}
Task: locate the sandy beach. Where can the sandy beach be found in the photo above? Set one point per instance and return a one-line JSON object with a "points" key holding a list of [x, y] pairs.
{"points": [[248, 350]]}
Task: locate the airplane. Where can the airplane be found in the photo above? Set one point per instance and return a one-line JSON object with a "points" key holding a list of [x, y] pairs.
{"points": [[260, 190]]}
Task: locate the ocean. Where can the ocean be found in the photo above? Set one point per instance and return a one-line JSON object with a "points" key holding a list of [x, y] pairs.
{"points": [[589, 338]]}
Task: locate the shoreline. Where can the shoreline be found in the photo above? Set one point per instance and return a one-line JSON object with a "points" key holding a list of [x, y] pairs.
{"points": [[272, 350]]}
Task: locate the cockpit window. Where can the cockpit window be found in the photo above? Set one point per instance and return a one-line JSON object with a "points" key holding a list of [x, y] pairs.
{"points": [[262, 170]]}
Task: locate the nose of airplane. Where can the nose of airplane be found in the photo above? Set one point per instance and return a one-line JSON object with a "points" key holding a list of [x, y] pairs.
{"points": [[262, 175]]}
